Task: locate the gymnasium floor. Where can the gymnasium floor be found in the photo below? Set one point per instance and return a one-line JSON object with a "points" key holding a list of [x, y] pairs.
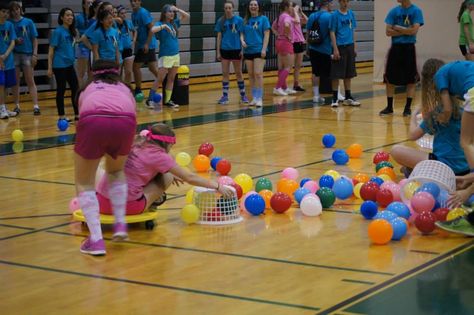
{"points": [[271, 264]]}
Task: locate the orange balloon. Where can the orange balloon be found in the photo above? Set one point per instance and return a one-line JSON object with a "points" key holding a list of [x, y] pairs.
{"points": [[380, 231], [266, 195], [361, 178], [288, 187], [387, 171], [354, 150], [281, 182], [201, 163]]}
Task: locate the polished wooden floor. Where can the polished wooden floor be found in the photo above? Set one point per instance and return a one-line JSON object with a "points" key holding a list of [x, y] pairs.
{"points": [[271, 264]]}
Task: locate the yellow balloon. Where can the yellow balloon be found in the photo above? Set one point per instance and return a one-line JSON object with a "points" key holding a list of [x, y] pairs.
{"points": [[189, 196], [190, 214], [245, 181], [455, 213], [18, 147], [334, 174], [410, 189], [357, 190], [183, 159], [17, 135], [385, 177]]}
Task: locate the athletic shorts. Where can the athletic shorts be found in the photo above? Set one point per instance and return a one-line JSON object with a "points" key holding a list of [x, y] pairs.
{"points": [[8, 78], [253, 56], [299, 47], [401, 68], [168, 62], [98, 134], [231, 54], [82, 52], [127, 53], [344, 68], [320, 63], [141, 57], [22, 60], [284, 47], [469, 101], [133, 207], [432, 156]]}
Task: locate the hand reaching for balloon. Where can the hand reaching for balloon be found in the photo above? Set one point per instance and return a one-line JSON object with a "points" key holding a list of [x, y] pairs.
{"points": [[226, 191], [457, 198], [178, 181]]}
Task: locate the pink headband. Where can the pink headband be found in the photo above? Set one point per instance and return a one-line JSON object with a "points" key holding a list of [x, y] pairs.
{"points": [[105, 71], [150, 136]]}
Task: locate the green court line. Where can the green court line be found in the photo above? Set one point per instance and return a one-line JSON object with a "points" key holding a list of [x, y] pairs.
{"points": [[158, 285], [358, 281]]}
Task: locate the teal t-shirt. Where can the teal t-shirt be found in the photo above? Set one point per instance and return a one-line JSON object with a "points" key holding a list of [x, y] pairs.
{"points": [[405, 17], [26, 30], [63, 44], [7, 32]]}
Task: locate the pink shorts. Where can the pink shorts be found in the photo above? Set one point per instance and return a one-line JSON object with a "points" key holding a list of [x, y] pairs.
{"points": [[134, 207], [284, 47], [98, 134]]}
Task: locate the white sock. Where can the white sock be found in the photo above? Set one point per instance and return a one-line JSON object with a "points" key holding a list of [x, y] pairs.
{"points": [[17, 105], [118, 198], [90, 208], [35, 106], [339, 93], [316, 90], [3, 108]]}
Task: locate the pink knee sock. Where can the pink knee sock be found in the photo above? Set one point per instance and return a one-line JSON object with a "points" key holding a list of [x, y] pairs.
{"points": [[282, 75], [118, 198], [90, 208]]}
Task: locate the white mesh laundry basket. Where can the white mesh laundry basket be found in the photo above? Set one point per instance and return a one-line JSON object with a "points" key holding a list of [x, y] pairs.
{"points": [[215, 209], [431, 171]]}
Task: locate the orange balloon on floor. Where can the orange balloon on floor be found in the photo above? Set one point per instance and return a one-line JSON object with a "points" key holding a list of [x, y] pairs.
{"points": [[201, 163], [387, 171], [288, 187], [354, 150], [361, 178], [266, 195], [380, 232]]}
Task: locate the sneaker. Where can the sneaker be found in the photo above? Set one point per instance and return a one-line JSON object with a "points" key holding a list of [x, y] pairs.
{"points": [[244, 100], [150, 104], [279, 92], [335, 104], [17, 110], [340, 97], [171, 104], [299, 88], [351, 102], [253, 102], [386, 111], [120, 232], [259, 103], [137, 91], [96, 248], [36, 111], [406, 171], [318, 99], [290, 91], [4, 114], [11, 113], [459, 226], [224, 100], [407, 112]]}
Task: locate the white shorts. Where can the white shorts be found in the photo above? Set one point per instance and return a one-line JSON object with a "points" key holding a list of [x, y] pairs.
{"points": [[169, 61], [469, 101]]}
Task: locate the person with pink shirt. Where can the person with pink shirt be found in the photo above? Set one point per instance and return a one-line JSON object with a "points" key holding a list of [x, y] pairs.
{"points": [[299, 44], [106, 128], [282, 27], [150, 170]]}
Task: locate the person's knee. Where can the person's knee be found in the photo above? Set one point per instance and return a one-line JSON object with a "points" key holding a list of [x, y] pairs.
{"points": [[168, 180], [397, 152]]}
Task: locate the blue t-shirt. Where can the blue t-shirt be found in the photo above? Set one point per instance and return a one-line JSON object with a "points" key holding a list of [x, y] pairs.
{"points": [[446, 144], [26, 30], [169, 45], [140, 20], [7, 32], [124, 32], [63, 44], [405, 17], [343, 25], [254, 32], [82, 24], [107, 41], [324, 24], [230, 30], [457, 77]]}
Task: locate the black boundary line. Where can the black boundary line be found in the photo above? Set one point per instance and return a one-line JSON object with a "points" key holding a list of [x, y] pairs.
{"points": [[384, 284], [424, 252], [34, 231], [162, 286], [36, 216], [17, 227], [358, 281], [275, 260], [36, 180]]}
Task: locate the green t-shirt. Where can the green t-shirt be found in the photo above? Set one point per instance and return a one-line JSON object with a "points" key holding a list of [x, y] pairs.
{"points": [[465, 19]]}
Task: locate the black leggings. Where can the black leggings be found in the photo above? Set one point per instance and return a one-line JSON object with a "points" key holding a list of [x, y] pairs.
{"points": [[62, 76]]}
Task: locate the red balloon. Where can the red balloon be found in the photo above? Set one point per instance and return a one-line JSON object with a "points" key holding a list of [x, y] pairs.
{"points": [[280, 202], [384, 197], [441, 214], [425, 222], [223, 167], [206, 149], [238, 189], [381, 156], [369, 190]]}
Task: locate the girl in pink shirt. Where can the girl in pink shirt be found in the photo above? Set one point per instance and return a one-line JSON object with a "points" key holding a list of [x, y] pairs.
{"points": [[299, 43], [106, 128], [150, 170]]}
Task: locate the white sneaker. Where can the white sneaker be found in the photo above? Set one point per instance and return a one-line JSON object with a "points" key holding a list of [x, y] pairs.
{"points": [[4, 114], [12, 114], [253, 102], [335, 104], [150, 104], [351, 102], [279, 92], [318, 99], [290, 91], [259, 103], [340, 97]]}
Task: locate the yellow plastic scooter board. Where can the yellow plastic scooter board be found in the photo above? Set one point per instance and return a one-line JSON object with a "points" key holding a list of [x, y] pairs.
{"points": [[148, 217]]}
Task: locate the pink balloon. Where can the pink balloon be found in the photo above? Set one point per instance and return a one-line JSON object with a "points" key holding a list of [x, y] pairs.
{"points": [[74, 204], [422, 201], [144, 133], [242, 201], [385, 185], [402, 182], [393, 188], [225, 180], [312, 186], [290, 173]]}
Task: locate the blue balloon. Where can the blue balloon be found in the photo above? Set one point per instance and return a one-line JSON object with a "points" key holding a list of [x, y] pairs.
{"points": [[300, 193], [156, 98], [376, 180], [343, 188], [431, 188], [62, 124], [326, 181], [400, 209], [255, 204], [470, 201], [340, 157], [368, 209], [304, 180], [329, 140], [386, 215], [443, 198], [214, 162], [399, 228]]}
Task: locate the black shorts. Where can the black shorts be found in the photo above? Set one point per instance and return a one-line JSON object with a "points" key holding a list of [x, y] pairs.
{"points": [[141, 57], [432, 156], [253, 56], [320, 63], [299, 47], [344, 68], [401, 68], [127, 53], [463, 49], [231, 54]]}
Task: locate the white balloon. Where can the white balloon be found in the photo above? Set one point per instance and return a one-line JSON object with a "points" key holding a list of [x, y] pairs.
{"points": [[311, 205]]}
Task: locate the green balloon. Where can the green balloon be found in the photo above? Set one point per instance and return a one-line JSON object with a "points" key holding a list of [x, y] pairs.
{"points": [[139, 97], [327, 197], [263, 183], [382, 165]]}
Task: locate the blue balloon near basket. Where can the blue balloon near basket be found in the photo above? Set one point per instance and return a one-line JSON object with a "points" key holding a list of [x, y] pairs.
{"points": [[399, 228], [214, 162], [255, 204], [369, 209], [62, 124]]}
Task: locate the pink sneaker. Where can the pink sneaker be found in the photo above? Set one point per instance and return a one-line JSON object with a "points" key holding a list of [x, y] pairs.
{"points": [[120, 232], [96, 248]]}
